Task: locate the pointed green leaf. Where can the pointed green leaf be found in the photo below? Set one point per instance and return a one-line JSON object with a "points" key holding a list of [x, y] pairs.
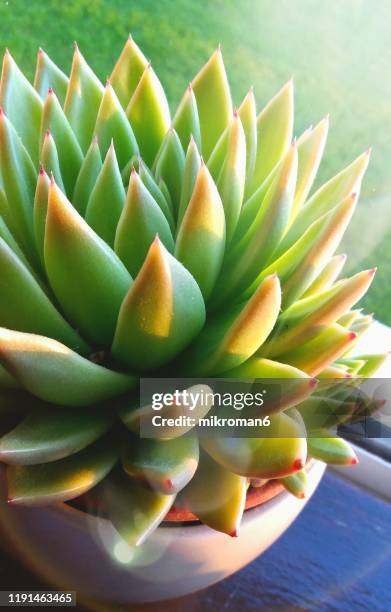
{"points": [[219, 153], [327, 276], [48, 75], [69, 152], [167, 466], [22, 104], [295, 388], [372, 364], [331, 450], [230, 339], [347, 182], [321, 351], [233, 175], [323, 248], [19, 178], [274, 135], [248, 116], [52, 435], [40, 211], [133, 415], [190, 173], [214, 103], [247, 258], [25, 307], [186, 121], [89, 172], [87, 277], [169, 166], [128, 71], [201, 239], [47, 483], [156, 193], [296, 483], [8, 238], [140, 221], [84, 95], [112, 124], [161, 313], [50, 161], [54, 373], [149, 114], [107, 199], [338, 301], [216, 496], [310, 148], [282, 450], [134, 509]]}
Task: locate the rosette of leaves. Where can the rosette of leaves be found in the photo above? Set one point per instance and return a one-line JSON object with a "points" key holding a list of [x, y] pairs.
{"points": [[136, 242]]}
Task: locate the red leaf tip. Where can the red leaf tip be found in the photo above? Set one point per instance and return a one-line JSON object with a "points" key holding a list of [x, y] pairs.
{"points": [[50, 91], [41, 170], [313, 383], [372, 271], [298, 464], [353, 461], [168, 484], [352, 336], [234, 533]]}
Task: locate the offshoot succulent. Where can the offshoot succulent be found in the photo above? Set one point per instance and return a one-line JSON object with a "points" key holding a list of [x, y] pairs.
{"points": [[136, 243]]}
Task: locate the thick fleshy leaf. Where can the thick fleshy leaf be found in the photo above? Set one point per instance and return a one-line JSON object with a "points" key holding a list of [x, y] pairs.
{"points": [[52, 435], [87, 177], [310, 148], [327, 276], [22, 104], [292, 387], [321, 351], [9, 239], [233, 175], [274, 135], [50, 161], [25, 307], [87, 277], [331, 450], [338, 301], [349, 317], [200, 242], [230, 339], [321, 411], [149, 114], [133, 415], [317, 257], [128, 71], [155, 191], [162, 312], [107, 199], [347, 182], [83, 99], [19, 178], [245, 260], [214, 102], [112, 125], [248, 116], [186, 121], [56, 374], [47, 483], [372, 364], [216, 496], [296, 483], [40, 211], [282, 450], [48, 75], [190, 173], [167, 466], [134, 508], [169, 166], [69, 152], [140, 221]]}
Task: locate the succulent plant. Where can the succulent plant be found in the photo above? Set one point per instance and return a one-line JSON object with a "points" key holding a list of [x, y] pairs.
{"points": [[133, 244]]}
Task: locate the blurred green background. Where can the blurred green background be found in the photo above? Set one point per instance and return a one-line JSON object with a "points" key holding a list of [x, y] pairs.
{"points": [[339, 53]]}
